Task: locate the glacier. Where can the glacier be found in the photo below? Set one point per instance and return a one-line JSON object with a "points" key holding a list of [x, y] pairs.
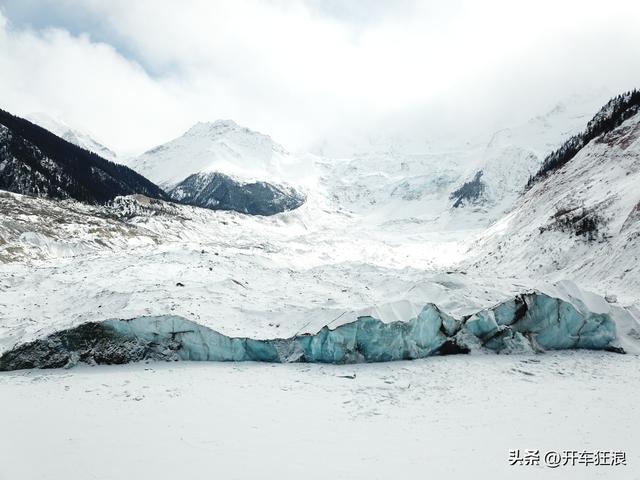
{"points": [[529, 322]]}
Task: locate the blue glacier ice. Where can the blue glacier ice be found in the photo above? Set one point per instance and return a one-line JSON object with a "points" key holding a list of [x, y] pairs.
{"points": [[528, 322]]}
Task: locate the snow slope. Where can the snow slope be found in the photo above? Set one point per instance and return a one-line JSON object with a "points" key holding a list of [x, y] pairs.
{"points": [[513, 154], [221, 146], [72, 135], [543, 236], [242, 275], [393, 182]]}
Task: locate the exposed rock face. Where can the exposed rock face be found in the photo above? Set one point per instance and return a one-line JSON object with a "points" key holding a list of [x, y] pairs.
{"points": [[529, 322], [221, 192], [92, 343], [470, 193], [34, 161]]}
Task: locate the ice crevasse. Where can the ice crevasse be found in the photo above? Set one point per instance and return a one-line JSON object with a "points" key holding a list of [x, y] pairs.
{"points": [[527, 323]]}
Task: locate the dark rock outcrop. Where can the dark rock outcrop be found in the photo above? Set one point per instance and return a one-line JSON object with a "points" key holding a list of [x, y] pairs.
{"points": [[217, 191], [470, 193]]}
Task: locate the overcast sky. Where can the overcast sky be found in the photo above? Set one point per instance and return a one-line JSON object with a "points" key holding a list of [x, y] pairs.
{"points": [[139, 72]]}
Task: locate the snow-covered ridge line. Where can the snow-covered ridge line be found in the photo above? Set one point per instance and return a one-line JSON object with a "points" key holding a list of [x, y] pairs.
{"points": [[580, 222], [36, 162], [221, 146], [80, 138], [529, 322], [610, 117]]}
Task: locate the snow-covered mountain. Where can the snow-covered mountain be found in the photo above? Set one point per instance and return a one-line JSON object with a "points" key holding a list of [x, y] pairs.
{"points": [[34, 161], [513, 154], [221, 165], [390, 187], [72, 135], [418, 183], [581, 218], [221, 146], [218, 191]]}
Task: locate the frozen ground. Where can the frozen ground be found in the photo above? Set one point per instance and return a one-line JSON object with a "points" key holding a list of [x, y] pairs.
{"points": [[446, 417]]}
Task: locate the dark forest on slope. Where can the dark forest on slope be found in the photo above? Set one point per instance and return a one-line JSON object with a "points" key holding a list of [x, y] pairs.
{"points": [[34, 161], [612, 115]]}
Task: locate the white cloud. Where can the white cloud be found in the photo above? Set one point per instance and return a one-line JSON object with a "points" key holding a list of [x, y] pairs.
{"points": [[298, 69], [85, 83]]}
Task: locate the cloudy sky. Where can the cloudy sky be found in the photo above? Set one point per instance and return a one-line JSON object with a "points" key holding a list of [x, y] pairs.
{"points": [[139, 72]]}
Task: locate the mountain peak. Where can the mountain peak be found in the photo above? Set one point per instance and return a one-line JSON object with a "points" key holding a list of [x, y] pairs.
{"points": [[228, 130], [221, 145], [214, 128], [80, 138]]}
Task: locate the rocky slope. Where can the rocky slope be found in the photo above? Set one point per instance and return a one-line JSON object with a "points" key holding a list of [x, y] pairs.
{"points": [[221, 192]]}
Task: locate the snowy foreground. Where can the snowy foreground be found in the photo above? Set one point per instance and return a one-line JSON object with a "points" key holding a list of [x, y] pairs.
{"points": [[455, 416]]}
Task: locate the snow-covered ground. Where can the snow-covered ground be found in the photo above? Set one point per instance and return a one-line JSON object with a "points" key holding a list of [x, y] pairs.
{"points": [[239, 274], [447, 417], [259, 277], [377, 236]]}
